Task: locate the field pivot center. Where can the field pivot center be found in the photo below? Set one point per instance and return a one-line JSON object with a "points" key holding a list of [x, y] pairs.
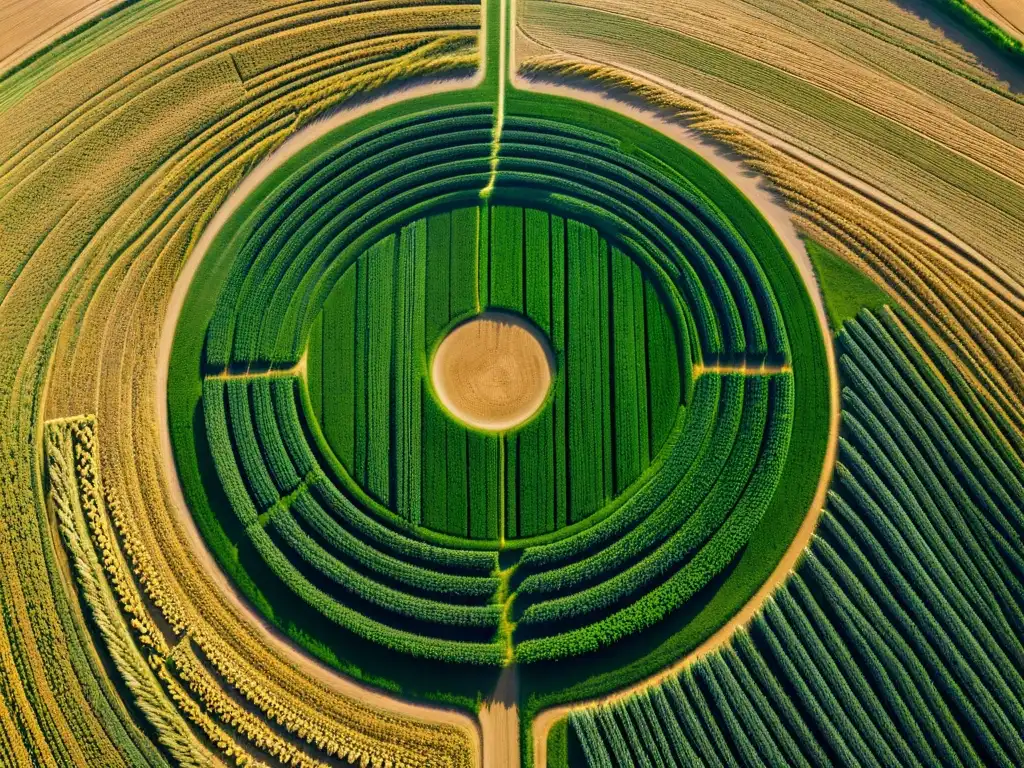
{"points": [[493, 372]]}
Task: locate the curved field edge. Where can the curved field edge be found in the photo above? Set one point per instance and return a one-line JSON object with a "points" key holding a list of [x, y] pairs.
{"points": [[547, 685], [804, 335], [391, 672], [62, 359], [97, 23], [917, 542], [936, 262]]}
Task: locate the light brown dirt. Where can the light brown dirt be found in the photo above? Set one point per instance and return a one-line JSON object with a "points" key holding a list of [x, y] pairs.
{"points": [[28, 25], [1008, 14], [493, 372], [499, 722]]}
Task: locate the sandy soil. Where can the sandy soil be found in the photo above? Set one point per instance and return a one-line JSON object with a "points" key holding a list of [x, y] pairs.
{"points": [[1008, 14], [283, 645], [499, 722], [493, 372], [28, 25]]}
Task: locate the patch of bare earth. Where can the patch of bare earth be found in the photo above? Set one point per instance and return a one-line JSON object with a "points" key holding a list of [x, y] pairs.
{"points": [[493, 372]]}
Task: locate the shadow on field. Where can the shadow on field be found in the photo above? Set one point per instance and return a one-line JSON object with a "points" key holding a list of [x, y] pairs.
{"points": [[1005, 65]]}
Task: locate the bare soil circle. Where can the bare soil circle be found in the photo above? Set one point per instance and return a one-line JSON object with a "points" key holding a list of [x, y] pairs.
{"points": [[493, 371]]}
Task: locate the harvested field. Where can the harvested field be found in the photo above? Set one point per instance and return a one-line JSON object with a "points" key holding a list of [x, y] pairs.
{"points": [[30, 25]]}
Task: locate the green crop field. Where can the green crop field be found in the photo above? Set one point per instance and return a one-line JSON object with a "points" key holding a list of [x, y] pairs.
{"points": [[654, 457], [511, 384], [395, 441], [898, 638]]}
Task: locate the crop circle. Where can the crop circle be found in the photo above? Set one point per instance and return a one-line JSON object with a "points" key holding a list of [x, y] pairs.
{"points": [[493, 371], [474, 412]]}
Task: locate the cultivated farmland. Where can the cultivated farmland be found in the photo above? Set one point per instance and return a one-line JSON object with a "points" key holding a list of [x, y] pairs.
{"points": [[510, 383], [898, 638]]}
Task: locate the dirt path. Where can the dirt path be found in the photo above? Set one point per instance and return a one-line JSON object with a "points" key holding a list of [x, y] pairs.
{"points": [[276, 640], [499, 722], [773, 209]]}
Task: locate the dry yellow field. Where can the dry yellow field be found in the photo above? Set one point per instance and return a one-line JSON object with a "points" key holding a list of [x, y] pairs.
{"points": [[1008, 14]]}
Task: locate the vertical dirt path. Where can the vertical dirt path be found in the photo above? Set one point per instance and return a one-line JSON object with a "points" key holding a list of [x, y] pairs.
{"points": [[499, 722]]}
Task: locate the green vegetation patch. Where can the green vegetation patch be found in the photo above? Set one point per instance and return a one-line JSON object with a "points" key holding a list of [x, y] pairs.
{"points": [[898, 637], [614, 399], [641, 504], [846, 289]]}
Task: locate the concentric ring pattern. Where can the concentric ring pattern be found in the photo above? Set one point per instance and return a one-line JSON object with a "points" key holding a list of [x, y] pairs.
{"points": [[638, 264]]}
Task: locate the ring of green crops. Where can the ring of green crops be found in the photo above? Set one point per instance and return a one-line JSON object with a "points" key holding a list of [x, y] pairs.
{"points": [[379, 591], [369, 350]]}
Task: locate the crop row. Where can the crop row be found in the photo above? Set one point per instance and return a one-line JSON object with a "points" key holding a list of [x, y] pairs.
{"points": [[349, 583], [703, 252], [967, 309], [148, 134], [177, 683], [319, 212], [897, 641], [667, 512], [614, 333], [601, 217], [713, 530]]}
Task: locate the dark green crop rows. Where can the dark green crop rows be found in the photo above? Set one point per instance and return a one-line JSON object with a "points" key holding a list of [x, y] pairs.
{"points": [[898, 639], [637, 484], [690, 534], [617, 385], [361, 574]]}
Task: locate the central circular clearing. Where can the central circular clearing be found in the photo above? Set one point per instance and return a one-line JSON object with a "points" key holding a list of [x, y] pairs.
{"points": [[493, 371]]}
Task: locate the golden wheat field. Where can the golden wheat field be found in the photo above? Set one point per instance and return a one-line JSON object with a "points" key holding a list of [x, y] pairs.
{"points": [[509, 383]]}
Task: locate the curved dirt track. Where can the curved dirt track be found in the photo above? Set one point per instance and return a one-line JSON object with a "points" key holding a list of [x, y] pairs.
{"points": [[773, 209], [274, 638]]}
